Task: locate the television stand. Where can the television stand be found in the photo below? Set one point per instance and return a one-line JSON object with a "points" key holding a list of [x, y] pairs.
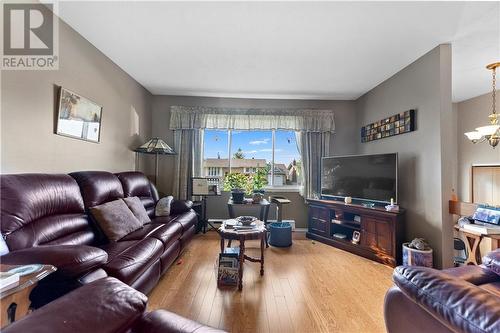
{"points": [[381, 232]]}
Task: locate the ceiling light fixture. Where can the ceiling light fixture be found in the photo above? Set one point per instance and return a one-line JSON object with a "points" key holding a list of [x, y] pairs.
{"points": [[491, 132]]}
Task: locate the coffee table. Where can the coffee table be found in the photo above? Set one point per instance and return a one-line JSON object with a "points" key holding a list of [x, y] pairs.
{"points": [[242, 236], [15, 302]]}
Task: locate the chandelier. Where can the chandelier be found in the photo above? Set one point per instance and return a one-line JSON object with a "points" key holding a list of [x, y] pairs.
{"points": [[491, 132]]}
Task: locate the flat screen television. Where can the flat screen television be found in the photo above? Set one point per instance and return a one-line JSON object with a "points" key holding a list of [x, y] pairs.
{"points": [[371, 178]]}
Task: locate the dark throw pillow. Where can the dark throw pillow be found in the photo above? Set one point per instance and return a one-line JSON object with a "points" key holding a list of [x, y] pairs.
{"points": [[115, 219], [137, 208]]}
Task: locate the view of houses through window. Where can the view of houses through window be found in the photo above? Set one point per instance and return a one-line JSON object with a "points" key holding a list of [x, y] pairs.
{"points": [[246, 152]]}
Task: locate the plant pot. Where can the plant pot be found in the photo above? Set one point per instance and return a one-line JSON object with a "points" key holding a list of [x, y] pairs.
{"points": [[414, 257], [238, 195], [258, 195]]}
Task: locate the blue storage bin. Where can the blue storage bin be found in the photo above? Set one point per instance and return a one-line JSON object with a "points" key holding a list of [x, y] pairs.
{"points": [[280, 234]]}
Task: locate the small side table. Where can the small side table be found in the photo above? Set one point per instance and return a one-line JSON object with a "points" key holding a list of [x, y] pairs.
{"points": [[15, 302], [263, 206], [473, 242], [242, 236]]}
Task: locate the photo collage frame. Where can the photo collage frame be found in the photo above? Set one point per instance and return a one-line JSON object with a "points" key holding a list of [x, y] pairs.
{"points": [[397, 124]]}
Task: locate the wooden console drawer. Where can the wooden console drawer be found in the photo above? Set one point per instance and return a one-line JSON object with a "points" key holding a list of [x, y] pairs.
{"points": [[319, 220], [377, 234]]}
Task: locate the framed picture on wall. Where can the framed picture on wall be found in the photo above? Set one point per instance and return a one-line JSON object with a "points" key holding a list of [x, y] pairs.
{"points": [[78, 117]]}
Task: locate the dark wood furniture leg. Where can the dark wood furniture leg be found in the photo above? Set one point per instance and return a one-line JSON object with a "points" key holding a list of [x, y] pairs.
{"points": [[222, 245], [264, 213], [262, 241], [204, 214], [231, 211], [242, 261]]}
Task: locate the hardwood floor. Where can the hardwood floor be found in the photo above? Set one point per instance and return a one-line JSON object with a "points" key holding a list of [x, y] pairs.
{"points": [[309, 287]]}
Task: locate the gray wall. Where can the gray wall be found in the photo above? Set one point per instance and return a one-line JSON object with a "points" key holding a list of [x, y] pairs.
{"points": [[28, 111], [472, 113], [343, 142], [424, 158]]}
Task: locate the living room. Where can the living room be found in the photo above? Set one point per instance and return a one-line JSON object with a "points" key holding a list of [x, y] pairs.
{"points": [[164, 113]]}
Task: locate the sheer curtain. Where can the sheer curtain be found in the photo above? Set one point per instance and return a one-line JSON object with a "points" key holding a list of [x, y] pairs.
{"points": [[312, 147], [188, 143]]}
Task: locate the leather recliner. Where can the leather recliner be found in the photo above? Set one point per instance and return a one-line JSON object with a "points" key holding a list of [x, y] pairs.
{"points": [[104, 306], [462, 299], [45, 219]]}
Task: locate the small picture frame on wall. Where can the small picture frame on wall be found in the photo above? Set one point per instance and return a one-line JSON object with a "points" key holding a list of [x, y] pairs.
{"points": [[397, 124], [78, 117]]}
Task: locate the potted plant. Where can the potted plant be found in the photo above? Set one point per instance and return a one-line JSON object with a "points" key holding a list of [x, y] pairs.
{"points": [[259, 180], [238, 184]]}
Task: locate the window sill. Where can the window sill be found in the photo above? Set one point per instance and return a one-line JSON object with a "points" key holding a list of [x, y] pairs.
{"points": [[286, 189]]}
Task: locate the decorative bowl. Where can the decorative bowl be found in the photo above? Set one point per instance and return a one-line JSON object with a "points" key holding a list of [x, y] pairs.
{"points": [[246, 220]]}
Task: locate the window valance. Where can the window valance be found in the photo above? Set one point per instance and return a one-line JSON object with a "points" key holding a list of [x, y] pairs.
{"points": [[307, 120]]}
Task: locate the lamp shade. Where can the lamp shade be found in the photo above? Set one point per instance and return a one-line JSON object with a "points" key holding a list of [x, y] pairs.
{"points": [[475, 135], [155, 146], [488, 130]]}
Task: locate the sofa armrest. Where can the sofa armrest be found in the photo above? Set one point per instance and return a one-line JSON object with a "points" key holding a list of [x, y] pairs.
{"points": [[180, 206], [161, 321], [105, 305], [70, 260], [471, 273], [398, 308], [492, 261], [456, 303]]}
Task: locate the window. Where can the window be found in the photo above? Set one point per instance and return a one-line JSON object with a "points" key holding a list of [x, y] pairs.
{"points": [[213, 172], [248, 151]]}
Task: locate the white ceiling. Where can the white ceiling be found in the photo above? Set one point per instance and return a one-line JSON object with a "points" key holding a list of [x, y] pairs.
{"points": [[296, 50]]}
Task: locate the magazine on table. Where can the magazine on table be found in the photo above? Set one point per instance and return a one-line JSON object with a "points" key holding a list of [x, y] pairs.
{"points": [[228, 270]]}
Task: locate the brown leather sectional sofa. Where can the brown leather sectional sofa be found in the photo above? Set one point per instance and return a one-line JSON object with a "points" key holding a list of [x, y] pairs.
{"points": [[45, 219], [462, 299]]}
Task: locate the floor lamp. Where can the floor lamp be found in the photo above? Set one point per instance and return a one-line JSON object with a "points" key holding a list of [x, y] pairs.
{"points": [[157, 147]]}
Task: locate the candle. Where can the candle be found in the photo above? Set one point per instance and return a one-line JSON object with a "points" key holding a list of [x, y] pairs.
{"points": [[392, 202]]}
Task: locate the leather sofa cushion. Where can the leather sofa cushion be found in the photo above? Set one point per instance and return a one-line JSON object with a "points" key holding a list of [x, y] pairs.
{"points": [[141, 233], [455, 302], [166, 233], [492, 287], [137, 208], [105, 306], [136, 184], [114, 249], [63, 229], [40, 209], [163, 219], [98, 187], [128, 262], [471, 273], [187, 220], [70, 260], [115, 219], [161, 321]]}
